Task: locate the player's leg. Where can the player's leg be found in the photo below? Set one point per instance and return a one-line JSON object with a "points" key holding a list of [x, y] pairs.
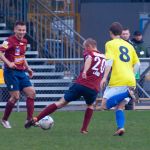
{"points": [[116, 99], [90, 97], [30, 94], [120, 119], [14, 97], [103, 105], [12, 83], [125, 92], [87, 117], [52, 108], [115, 95], [70, 95], [28, 89], [46, 111]]}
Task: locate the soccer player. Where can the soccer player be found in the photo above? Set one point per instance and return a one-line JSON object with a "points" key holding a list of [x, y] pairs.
{"points": [[86, 85], [126, 35], [122, 61], [12, 53]]}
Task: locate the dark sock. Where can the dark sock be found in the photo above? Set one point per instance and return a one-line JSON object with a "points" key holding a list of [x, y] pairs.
{"points": [[87, 118], [30, 108], [8, 110], [48, 110]]}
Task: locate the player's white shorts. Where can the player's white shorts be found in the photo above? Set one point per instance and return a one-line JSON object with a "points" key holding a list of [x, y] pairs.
{"points": [[112, 91]]}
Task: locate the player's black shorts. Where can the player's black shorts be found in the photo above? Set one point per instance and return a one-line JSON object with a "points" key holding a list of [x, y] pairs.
{"points": [[76, 91], [16, 80]]}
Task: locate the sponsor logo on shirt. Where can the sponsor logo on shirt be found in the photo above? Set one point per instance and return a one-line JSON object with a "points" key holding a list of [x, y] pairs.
{"points": [[19, 59], [17, 51]]}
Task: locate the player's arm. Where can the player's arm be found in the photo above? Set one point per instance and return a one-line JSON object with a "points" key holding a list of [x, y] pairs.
{"points": [[136, 62], [30, 71], [4, 47], [87, 65], [109, 64], [6, 61]]}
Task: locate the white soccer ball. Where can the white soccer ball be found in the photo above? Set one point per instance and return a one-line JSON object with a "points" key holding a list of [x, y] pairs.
{"points": [[46, 123]]}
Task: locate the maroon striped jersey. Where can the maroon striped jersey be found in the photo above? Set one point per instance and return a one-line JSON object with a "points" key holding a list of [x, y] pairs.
{"points": [[14, 50], [95, 72]]}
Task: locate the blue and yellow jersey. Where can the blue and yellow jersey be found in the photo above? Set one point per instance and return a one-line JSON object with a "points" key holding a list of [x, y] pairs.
{"points": [[124, 57]]}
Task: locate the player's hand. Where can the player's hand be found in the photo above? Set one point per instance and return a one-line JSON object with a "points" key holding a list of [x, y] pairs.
{"points": [[12, 65], [30, 72], [84, 75], [103, 83]]}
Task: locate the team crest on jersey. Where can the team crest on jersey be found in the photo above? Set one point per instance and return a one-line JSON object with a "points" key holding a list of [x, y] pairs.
{"points": [[17, 51], [5, 44]]}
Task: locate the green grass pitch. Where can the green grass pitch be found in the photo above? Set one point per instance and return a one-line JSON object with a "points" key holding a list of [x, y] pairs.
{"points": [[65, 134]]}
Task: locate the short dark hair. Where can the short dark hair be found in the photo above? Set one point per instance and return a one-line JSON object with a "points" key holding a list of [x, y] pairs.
{"points": [[126, 28], [137, 33], [116, 28], [19, 23]]}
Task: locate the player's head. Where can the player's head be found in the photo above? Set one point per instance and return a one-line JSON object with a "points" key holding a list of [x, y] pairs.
{"points": [[20, 29], [90, 44], [125, 34], [115, 29], [137, 36]]}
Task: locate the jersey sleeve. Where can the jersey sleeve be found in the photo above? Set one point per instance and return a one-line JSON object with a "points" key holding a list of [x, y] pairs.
{"points": [[109, 51], [5, 45]]}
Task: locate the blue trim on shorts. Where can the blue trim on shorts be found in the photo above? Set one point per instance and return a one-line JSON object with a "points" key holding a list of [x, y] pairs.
{"points": [[16, 80], [76, 91]]}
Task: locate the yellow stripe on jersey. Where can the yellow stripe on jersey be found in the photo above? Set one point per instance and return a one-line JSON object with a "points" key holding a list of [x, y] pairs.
{"points": [[124, 57], [5, 44]]}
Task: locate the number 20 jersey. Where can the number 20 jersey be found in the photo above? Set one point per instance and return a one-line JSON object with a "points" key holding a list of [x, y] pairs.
{"points": [[95, 72]]}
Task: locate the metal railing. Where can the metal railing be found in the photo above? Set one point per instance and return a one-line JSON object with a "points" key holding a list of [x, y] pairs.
{"points": [[143, 84], [52, 32], [54, 76]]}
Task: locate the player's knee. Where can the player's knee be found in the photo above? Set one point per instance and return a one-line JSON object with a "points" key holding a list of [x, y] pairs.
{"points": [[120, 107], [31, 94], [61, 103], [90, 106], [14, 98]]}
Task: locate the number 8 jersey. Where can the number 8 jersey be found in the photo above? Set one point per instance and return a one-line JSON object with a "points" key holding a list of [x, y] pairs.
{"points": [[95, 72], [124, 58]]}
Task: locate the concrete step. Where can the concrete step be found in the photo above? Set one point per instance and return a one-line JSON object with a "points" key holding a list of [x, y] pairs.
{"points": [[44, 74], [2, 25], [54, 84], [51, 88], [42, 66], [32, 53], [49, 95], [3, 39], [51, 81], [6, 32]]}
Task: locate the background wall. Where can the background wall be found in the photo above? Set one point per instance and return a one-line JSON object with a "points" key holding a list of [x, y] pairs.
{"points": [[97, 17]]}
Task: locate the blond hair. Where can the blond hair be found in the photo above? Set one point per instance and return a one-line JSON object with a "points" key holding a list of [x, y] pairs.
{"points": [[89, 42]]}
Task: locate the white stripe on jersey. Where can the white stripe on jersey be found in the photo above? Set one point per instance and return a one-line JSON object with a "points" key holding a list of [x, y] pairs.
{"points": [[99, 55]]}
